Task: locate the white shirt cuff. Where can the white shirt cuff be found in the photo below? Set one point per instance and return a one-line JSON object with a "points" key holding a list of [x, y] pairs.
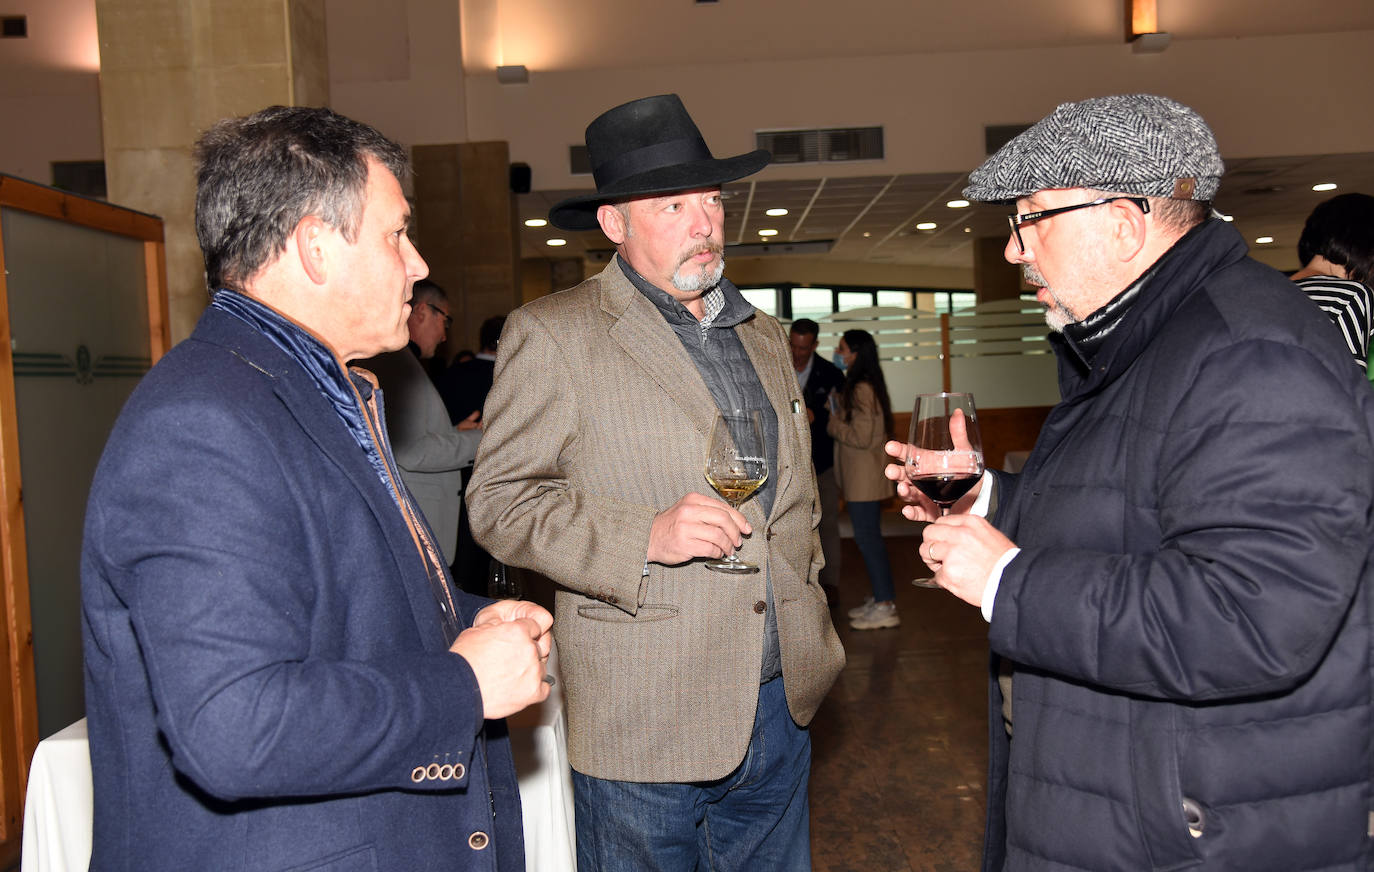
{"points": [[980, 505], [994, 581]]}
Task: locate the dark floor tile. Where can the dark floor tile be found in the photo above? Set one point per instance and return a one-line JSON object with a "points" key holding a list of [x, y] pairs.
{"points": [[900, 745]]}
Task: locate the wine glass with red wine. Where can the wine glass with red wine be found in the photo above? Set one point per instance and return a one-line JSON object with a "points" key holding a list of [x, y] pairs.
{"points": [[945, 451]]}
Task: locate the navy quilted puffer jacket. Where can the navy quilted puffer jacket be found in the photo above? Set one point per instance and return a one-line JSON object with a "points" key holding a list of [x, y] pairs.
{"points": [[1190, 616]]}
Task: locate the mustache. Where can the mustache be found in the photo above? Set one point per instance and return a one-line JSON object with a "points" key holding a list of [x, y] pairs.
{"points": [[705, 248], [1032, 276]]}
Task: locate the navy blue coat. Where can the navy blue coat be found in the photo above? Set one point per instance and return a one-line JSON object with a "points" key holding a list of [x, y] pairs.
{"points": [[1190, 616], [265, 664]]}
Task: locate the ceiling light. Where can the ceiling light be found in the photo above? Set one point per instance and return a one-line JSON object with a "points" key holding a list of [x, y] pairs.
{"points": [[535, 222], [1325, 186], [926, 225], [1263, 240], [867, 234], [968, 229], [555, 242], [768, 232], [1228, 218], [957, 204], [775, 213]]}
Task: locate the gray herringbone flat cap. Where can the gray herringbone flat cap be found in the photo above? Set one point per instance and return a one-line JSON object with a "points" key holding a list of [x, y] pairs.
{"points": [[1130, 144]]}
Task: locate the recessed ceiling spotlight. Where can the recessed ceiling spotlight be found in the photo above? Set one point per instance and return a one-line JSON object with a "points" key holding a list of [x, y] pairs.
{"points": [[926, 225], [867, 234], [535, 222], [957, 204], [1228, 218], [555, 242], [1325, 186], [968, 229], [775, 213], [1263, 240], [768, 232]]}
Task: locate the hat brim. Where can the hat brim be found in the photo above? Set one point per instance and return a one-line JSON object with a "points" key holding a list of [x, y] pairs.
{"points": [[579, 213]]}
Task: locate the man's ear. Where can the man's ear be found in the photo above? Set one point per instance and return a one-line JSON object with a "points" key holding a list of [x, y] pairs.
{"points": [[1130, 231], [612, 223], [312, 239]]}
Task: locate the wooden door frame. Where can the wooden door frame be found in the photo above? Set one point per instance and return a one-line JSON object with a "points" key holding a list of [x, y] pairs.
{"points": [[18, 701]]}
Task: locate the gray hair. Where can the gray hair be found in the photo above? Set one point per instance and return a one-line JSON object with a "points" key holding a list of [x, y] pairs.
{"points": [[259, 175]]}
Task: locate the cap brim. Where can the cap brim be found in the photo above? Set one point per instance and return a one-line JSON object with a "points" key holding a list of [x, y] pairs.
{"points": [[579, 213]]}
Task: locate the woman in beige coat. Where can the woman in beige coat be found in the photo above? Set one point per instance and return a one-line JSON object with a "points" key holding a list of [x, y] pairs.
{"points": [[860, 423]]}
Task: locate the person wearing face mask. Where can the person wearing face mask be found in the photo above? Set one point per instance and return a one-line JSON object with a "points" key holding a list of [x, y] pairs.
{"points": [[860, 423]]}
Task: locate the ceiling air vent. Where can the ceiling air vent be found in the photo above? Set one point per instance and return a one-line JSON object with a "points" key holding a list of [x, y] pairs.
{"points": [[825, 144], [14, 26]]}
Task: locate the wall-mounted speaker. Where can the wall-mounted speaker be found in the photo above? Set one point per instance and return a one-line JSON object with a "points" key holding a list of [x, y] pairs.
{"points": [[520, 178]]}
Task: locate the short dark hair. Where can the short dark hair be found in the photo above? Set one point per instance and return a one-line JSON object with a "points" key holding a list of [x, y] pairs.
{"points": [[489, 335], [259, 175], [806, 327], [426, 291], [1342, 231]]}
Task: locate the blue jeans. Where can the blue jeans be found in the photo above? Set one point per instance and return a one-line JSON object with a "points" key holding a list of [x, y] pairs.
{"points": [[756, 819], [866, 517]]}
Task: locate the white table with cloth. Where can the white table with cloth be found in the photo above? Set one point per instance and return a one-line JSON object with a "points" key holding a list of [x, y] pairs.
{"points": [[57, 810]]}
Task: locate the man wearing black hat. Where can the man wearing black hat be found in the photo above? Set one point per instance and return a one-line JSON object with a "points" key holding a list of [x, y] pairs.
{"points": [[1179, 581], [688, 690]]}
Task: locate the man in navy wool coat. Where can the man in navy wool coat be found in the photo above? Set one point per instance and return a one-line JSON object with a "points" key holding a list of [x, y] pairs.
{"points": [[280, 673], [1178, 583]]}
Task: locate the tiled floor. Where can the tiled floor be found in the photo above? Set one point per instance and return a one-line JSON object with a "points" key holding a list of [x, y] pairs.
{"points": [[900, 745]]}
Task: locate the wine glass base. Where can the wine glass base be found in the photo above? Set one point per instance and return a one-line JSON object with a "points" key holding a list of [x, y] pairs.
{"points": [[737, 566], [923, 582]]}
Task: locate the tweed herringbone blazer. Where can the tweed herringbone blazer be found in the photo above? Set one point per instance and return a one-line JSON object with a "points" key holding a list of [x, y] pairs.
{"points": [[598, 421]]}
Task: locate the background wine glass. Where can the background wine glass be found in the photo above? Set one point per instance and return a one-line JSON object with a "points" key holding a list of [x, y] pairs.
{"points": [[736, 466], [945, 451]]}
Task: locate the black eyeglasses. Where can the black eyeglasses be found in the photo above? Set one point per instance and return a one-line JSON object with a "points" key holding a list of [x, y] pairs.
{"points": [[448, 319], [1017, 220]]}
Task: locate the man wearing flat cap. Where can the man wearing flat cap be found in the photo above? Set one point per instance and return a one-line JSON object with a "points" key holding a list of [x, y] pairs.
{"points": [[688, 690], [1178, 583]]}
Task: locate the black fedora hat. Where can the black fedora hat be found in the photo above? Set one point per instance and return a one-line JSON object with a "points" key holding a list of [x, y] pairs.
{"points": [[645, 147]]}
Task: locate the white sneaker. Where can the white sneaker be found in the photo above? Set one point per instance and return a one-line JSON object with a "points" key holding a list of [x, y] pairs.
{"points": [[860, 609], [879, 616]]}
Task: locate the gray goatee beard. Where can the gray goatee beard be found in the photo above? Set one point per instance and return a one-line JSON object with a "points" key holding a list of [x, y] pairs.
{"points": [[703, 279], [1057, 316]]}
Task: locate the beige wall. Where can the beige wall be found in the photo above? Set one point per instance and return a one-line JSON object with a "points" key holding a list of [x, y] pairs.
{"points": [[50, 89], [937, 125]]}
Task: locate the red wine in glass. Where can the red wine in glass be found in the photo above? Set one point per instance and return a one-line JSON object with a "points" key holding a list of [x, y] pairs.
{"points": [[944, 451]]}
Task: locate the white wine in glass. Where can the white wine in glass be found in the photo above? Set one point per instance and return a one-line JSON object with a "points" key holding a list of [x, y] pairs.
{"points": [[944, 451], [736, 466]]}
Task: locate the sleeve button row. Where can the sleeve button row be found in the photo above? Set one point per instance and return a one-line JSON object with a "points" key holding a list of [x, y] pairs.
{"points": [[436, 772]]}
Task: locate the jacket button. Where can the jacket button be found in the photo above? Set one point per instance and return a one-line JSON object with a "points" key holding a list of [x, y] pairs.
{"points": [[417, 774], [459, 771], [478, 840], [432, 771], [760, 607]]}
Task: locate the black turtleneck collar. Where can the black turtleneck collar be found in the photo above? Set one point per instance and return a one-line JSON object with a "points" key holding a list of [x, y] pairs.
{"points": [[1086, 338]]}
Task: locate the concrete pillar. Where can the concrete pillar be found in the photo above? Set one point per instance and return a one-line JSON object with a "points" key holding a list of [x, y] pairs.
{"points": [[465, 227], [993, 277], [171, 68]]}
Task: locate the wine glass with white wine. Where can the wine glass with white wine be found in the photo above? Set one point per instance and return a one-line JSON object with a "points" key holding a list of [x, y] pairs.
{"points": [[944, 451], [736, 466]]}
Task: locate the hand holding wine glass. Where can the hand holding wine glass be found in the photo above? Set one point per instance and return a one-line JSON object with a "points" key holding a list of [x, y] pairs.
{"points": [[736, 466], [944, 451]]}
